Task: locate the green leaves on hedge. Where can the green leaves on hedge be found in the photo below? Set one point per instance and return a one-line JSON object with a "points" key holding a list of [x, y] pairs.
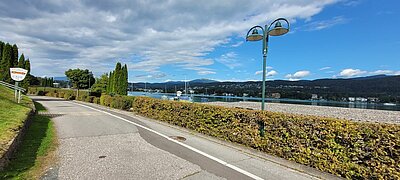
{"points": [[345, 148]]}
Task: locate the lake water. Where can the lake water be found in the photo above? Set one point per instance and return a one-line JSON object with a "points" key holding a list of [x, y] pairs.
{"points": [[210, 98]]}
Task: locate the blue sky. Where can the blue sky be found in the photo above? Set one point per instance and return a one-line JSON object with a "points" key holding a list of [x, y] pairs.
{"points": [[174, 39], [342, 36]]}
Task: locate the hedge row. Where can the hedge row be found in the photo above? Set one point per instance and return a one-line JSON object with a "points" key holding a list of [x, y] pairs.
{"points": [[67, 94], [345, 148], [118, 102]]}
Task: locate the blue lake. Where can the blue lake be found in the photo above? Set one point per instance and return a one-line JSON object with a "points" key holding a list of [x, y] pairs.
{"points": [[210, 98]]}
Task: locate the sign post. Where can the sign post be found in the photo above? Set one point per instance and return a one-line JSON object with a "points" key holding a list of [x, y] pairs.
{"points": [[18, 74]]}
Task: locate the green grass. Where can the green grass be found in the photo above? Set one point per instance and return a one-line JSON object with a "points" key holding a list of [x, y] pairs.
{"points": [[12, 116], [9, 94], [36, 152]]}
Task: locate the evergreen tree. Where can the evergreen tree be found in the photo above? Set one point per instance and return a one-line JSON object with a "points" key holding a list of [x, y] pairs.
{"points": [[2, 45], [21, 62], [27, 66], [117, 77], [6, 63], [124, 80], [14, 61], [29, 78], [1, 49]]}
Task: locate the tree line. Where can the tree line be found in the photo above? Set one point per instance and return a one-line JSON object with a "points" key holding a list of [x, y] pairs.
{"points": [[9, 58], [113, 83]]}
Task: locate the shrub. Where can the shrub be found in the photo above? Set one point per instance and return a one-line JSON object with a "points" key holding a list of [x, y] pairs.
{"points": [[122, 102], [96, 100], [61, 94], [353, 150], [32, 90], [69, 95], [40, 93], [105, 100], [89, 99]]}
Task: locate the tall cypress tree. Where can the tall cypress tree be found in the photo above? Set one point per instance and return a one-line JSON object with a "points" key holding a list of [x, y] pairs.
{"points": [[14, 61], [27, 66], [117, 77], [5, 63], [124, 80], [21, 62]]}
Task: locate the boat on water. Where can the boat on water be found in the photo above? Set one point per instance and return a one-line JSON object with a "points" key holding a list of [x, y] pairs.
{"points": [[389, 104], [185, 99]]}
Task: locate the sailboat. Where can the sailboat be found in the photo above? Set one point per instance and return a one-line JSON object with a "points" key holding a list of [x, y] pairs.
{"points": [[185, 97]]}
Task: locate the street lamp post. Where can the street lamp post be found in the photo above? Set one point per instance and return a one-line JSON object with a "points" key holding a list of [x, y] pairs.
{"points": [[278, 30], [89, 87]]}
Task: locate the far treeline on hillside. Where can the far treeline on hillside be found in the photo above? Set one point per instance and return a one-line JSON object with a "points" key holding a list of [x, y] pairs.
{"points": [[113, 83]]}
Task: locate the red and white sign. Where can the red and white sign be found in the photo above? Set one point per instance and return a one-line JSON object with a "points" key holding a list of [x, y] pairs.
{"points": [[18, 74]]}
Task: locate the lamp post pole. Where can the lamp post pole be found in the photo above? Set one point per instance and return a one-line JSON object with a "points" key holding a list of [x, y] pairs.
{"points": [[278, 30], [89, 87], [265, 51]]}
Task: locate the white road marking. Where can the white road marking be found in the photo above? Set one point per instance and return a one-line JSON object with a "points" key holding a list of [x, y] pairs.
{"points": [[180, 143]]}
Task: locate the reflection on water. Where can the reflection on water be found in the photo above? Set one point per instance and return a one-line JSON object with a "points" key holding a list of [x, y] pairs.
{"points": [[209, 98]]}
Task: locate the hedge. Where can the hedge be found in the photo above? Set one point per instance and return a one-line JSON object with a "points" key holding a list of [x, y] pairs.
{"points": [[345, 148], [67, 94], [118, 102]]}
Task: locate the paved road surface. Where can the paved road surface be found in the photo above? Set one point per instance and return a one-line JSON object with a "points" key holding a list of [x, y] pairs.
{"points": [[99, 143]]}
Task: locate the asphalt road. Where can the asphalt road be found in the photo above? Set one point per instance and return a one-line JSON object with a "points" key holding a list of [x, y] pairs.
{"points": [[99, 143]]}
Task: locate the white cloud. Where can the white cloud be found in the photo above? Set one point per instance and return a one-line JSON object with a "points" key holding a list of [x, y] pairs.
{"points": [[351, 2], [237, 44], [57, 35], [325, 68], [269, 73], [386, 72], [323, 24], [351, 72], [206, 72], [229, 59], [298, 75]]}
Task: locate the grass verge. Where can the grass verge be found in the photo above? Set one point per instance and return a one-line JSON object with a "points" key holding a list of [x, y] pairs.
{"points": [[36, 152], [12, 116]]}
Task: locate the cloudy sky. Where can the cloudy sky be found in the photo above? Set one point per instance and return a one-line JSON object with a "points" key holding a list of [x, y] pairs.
{"points": [[171, 40]]}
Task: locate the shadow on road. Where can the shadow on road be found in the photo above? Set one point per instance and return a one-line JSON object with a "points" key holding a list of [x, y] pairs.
{"points": [[45, 99]]}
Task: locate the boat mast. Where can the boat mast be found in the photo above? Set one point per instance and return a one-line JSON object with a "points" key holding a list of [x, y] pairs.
{"points": [[185, 87]]}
